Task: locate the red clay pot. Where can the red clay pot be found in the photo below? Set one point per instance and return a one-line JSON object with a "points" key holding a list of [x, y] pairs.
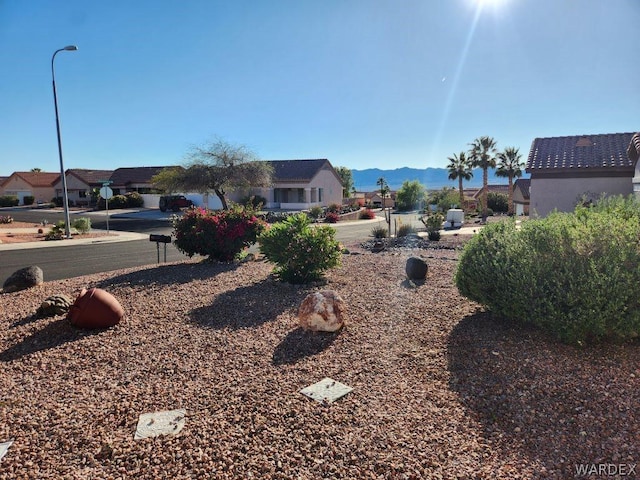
{"points": [[95, 308]]}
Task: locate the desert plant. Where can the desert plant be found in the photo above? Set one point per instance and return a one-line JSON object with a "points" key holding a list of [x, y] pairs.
{"points": [[6, 219], [334, 208], [405, 229], [9, 201], [433, 225], [82, 225], [367, 214], [568, 273], [57, 231], [219, 235], [331, 217], [301, 252], [379, 232]]}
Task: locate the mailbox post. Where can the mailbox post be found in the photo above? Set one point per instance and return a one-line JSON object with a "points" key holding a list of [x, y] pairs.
{"points": [[160, 239]]}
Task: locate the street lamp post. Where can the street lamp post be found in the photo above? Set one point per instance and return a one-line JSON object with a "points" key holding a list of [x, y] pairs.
{"points": [[65, 198]]}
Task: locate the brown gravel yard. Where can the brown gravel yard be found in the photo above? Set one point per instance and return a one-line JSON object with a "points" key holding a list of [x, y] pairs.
{"points": [[441, 389]]}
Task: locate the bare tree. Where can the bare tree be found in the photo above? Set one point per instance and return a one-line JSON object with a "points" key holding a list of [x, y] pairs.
{"points": [[218, 167]]}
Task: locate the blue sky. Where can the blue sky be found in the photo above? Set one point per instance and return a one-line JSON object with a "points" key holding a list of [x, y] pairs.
{"points": [[364, 83]]}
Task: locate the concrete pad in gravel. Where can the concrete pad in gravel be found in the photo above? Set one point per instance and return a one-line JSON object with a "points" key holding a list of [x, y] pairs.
{"points": [[160, 423], [4, 447], [326, 390]]}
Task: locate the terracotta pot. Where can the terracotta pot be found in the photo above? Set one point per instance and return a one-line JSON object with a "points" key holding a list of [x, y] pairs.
{"points": [[95, 308]]}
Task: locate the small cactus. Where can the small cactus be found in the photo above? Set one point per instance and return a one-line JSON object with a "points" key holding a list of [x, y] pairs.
{"points": [[54, 305]]}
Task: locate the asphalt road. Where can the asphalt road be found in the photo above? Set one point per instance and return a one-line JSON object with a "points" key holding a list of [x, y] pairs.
{"points": [[76, 260]]}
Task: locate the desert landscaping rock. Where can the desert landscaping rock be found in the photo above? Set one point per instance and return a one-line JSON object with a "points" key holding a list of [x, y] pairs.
{"points": [[222, 341], [23, 278], [326, 390], [416, 269], [322, 311], [169, 422]]}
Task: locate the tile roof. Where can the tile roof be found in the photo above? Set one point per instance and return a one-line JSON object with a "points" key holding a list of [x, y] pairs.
{"points": [[38, 179], [3, 179], [633, 150], [493, 189], [296, 170], [90, 176], [129, 175], [524, 185], [580, 152]]}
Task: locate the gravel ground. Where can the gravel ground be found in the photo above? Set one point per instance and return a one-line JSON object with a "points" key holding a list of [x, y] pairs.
{"points": [[441, 389]]}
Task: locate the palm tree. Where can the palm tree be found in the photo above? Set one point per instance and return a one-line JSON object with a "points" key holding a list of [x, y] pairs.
{"points": [[36, 170], [481, 155], [460, 168], [384, 189], [511, 167]]}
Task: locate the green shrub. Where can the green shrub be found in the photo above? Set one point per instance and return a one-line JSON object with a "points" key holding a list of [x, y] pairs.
{"points": [[118, 201], [367, 214], [9, 201], [498, 202], [570, 274], [220, 235], [301, 252], [134, 200], [82, 225], [379, 232], [316, 212], [254, 201], [334, 208], [29, 199]]}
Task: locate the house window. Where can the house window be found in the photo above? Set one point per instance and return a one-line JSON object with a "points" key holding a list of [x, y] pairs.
{"points": [[300, 195], [82, 193], [320, 194]]}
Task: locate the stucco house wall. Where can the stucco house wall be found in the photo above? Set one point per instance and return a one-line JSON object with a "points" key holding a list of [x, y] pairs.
{"points": [[563, 194], [564, 169]]}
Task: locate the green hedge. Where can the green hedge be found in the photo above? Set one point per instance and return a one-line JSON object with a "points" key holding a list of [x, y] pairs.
{"points": [[9, 201], [571, 274]]}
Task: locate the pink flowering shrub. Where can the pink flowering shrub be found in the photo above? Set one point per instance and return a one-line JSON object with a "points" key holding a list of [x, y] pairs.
{"points": [[367, 214], [331, 217], [220, 235], [301, 252]]}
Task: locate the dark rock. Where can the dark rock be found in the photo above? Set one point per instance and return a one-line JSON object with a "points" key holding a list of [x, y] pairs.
{"points": [[416, 269], [24, 278]]}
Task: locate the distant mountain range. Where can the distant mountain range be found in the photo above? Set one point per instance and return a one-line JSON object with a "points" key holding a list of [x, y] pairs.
{"points": [[431, 178]]}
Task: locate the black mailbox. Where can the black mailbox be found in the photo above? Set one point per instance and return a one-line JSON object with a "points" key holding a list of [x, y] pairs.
{"points": [[160, 238]]}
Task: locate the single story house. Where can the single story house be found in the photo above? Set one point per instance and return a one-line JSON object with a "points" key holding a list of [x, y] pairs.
{"points": [[133, 179], [374, 199], [567, 170], [521, 196], [30, 184], [80, 183], [299, 185]]}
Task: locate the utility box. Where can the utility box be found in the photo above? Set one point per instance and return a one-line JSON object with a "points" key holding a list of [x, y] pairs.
{"points": [[455, 218]]}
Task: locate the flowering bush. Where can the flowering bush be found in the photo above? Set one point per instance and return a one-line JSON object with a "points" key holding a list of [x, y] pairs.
{"points": [[367, 214], [331, 217], [220, 235], [7, 219], [301, 252]]}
